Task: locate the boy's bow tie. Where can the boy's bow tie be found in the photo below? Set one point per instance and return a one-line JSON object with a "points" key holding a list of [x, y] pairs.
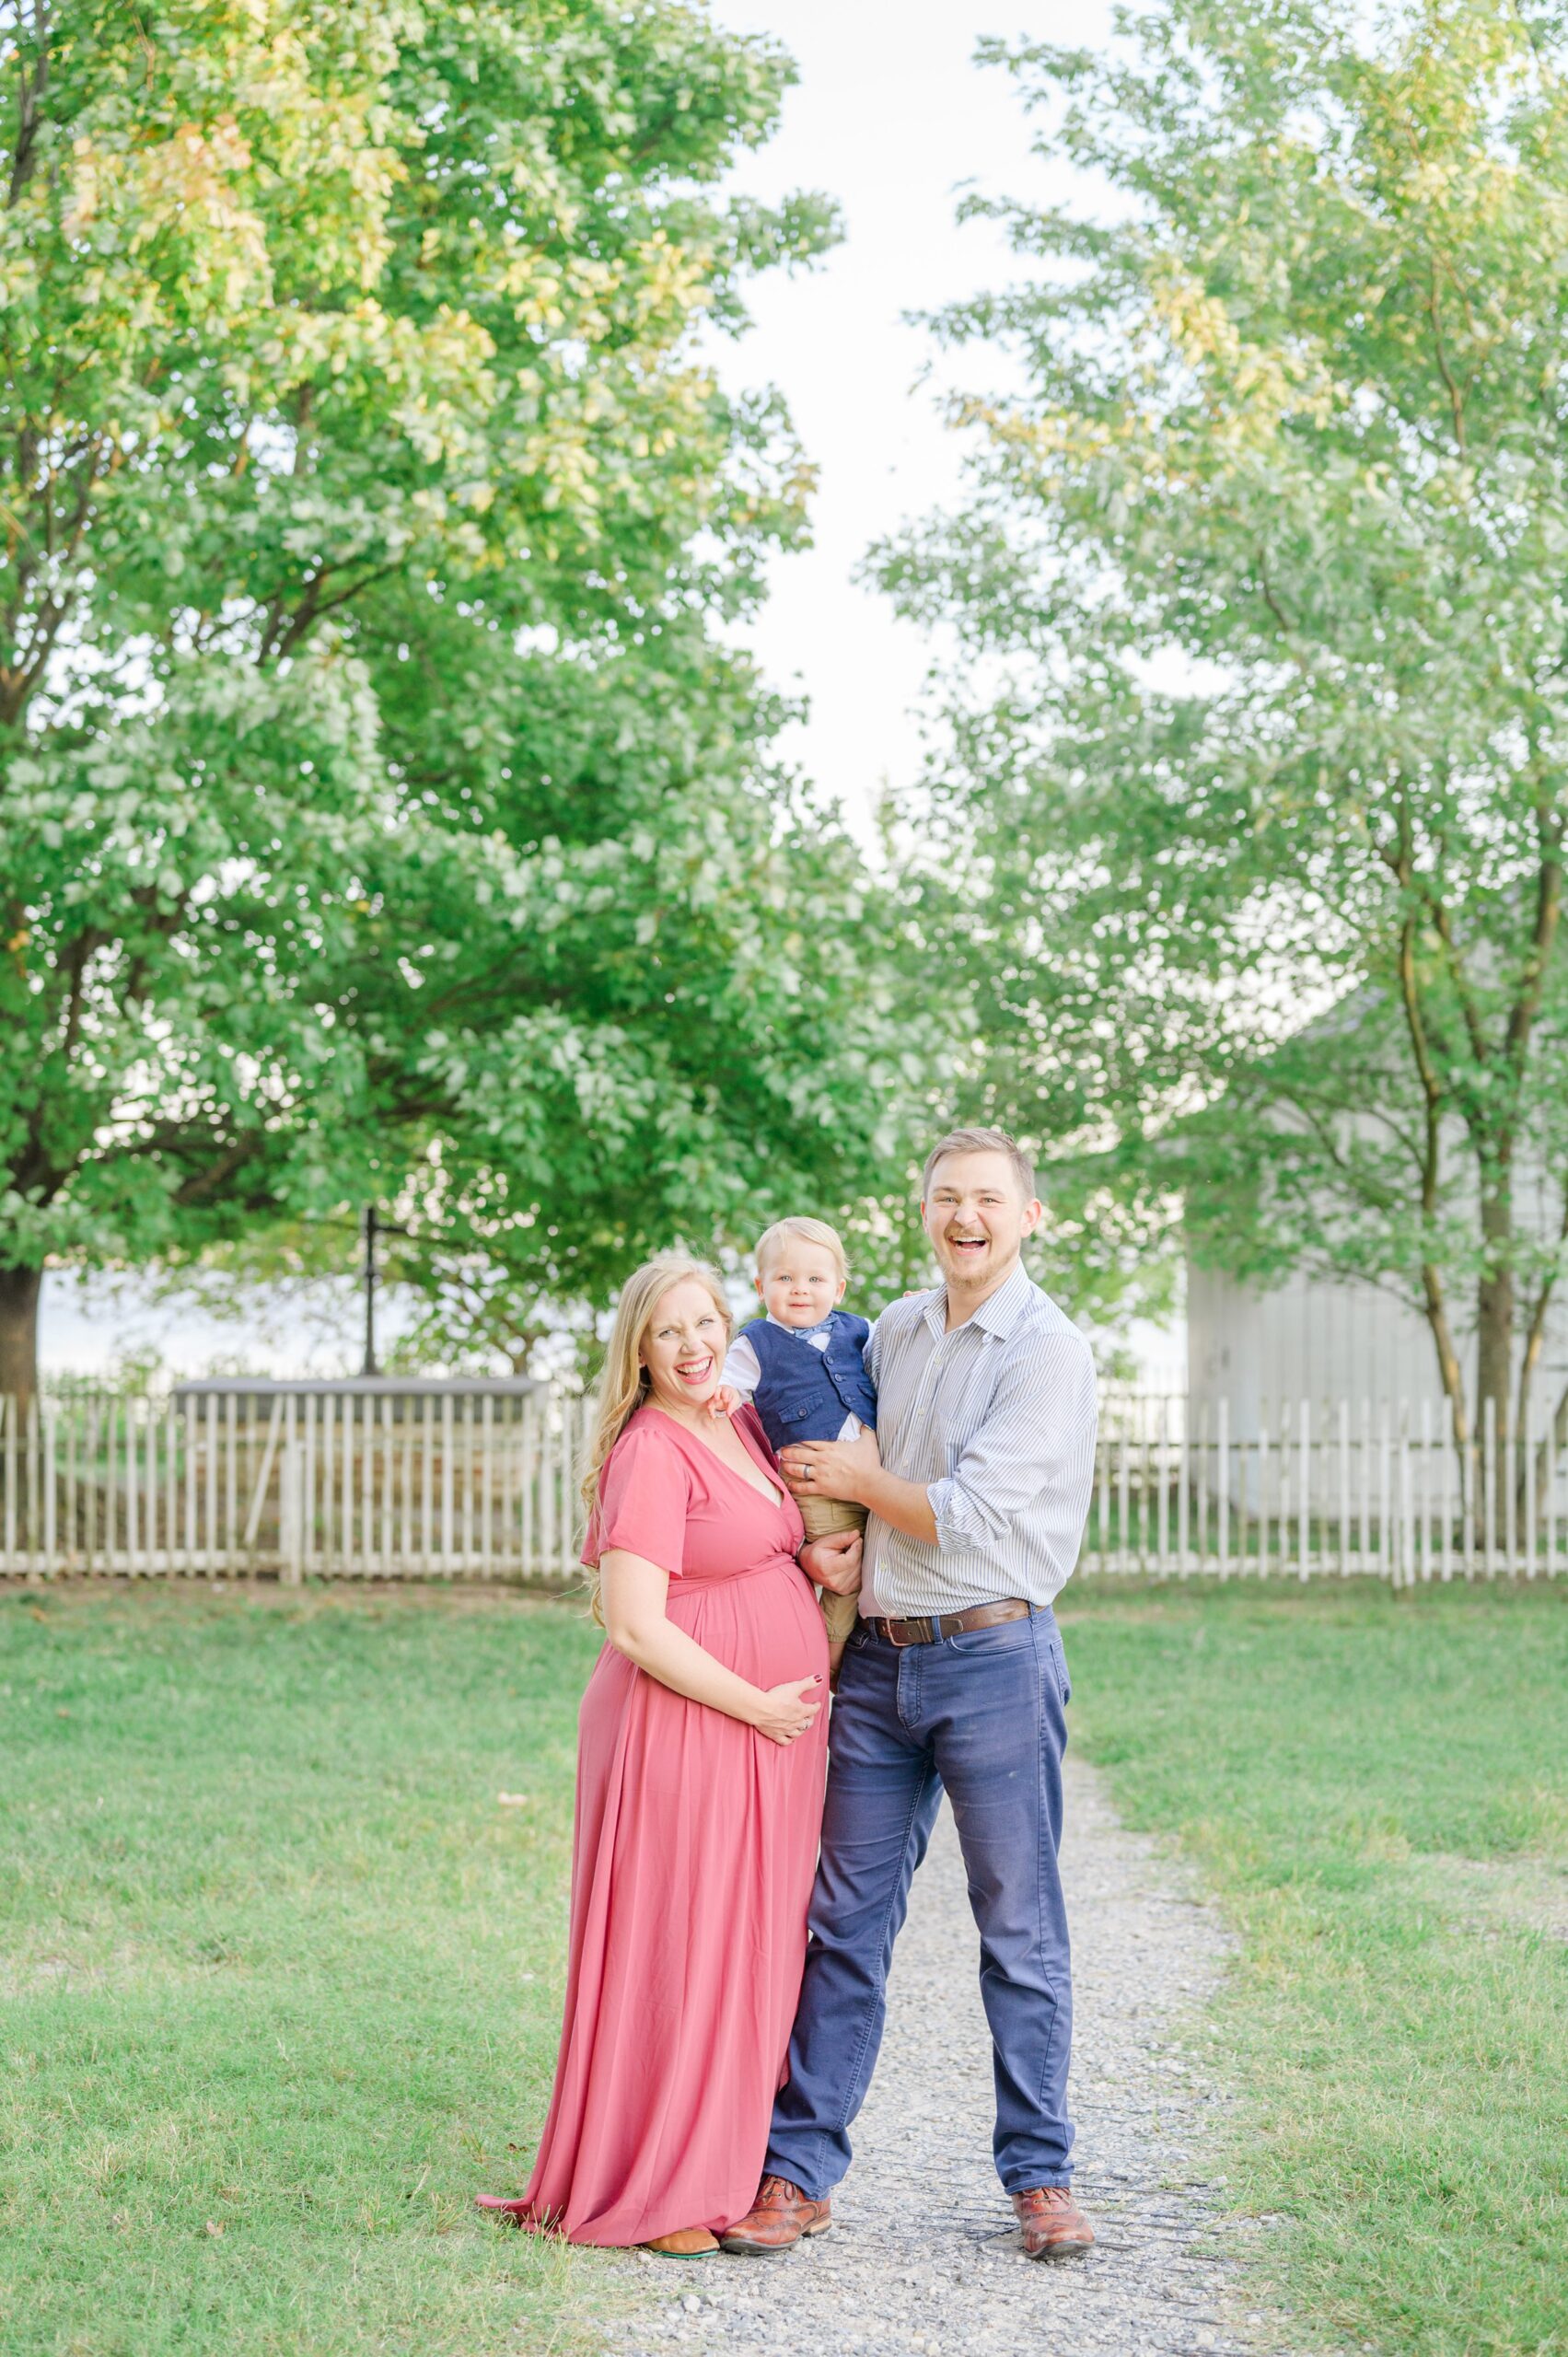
{"points": [[802, 1334]]}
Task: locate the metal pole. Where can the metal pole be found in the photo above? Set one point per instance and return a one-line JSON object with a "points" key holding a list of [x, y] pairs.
{"points": [[368, 1230]]}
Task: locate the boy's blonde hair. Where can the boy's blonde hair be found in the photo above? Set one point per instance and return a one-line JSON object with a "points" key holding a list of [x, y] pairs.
{"points": [[806, 1231]]}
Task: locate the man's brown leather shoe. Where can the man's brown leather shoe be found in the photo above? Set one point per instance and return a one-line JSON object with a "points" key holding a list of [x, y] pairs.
{"points": [[779, 2216], [1054, 2226]]}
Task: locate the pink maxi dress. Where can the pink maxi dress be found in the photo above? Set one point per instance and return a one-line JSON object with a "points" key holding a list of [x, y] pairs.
{"points": [[693, 1861]]}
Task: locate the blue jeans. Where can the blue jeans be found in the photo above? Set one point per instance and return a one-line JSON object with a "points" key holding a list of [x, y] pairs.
{"points": [[982, 1714]]}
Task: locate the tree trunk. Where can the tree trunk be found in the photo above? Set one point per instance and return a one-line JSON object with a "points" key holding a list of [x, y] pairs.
{"points": [[1529, 1361], [1494, 1324], [1451, 1375], [19, 1290], [1449, 1372]]}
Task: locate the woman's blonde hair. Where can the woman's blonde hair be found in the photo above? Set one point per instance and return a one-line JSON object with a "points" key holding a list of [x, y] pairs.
{"points": [[623, 1387]]}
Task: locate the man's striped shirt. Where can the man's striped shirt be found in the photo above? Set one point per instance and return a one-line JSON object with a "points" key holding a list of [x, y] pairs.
{"points": [[997, 1420]]}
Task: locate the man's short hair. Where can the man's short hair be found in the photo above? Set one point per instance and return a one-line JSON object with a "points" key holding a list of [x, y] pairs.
{"points": [[981, 1141], [804, 1231]]}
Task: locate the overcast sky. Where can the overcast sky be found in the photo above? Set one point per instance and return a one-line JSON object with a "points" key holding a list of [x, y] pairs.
{"points": [[891, 116]]}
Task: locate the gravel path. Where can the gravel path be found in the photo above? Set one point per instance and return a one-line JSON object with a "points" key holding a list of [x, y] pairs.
{"points": [[924, 2257]]}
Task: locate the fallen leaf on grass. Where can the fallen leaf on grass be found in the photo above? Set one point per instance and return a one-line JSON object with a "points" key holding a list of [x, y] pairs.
{"points": [[514, 1800], [213, 2228]]}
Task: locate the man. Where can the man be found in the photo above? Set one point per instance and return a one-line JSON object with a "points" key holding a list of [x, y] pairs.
{"points": [[978, 1484]]}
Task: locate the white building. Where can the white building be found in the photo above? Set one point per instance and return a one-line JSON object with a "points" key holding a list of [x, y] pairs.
{"points": [[1312, 1338], [1308, 1338]]}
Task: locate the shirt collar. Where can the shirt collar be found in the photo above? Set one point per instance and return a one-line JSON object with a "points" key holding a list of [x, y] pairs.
{"points": [[997, 1313]]}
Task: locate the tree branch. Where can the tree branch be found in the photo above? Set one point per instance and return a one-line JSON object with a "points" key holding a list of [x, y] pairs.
{"points": [[1456, 400], [29, 111], [1549, 904]]}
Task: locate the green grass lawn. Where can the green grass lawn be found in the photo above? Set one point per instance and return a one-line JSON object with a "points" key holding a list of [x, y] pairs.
{"points": [[1377, 1788], [282, 1977]]}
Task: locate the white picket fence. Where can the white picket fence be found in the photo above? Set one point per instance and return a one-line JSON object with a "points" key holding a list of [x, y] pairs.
{"points": [[298, 1485], [383, 1487], [1337, 1489]]}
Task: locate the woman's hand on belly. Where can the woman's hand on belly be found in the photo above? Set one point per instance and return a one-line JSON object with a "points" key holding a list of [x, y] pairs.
{"points": [[787, 1711], [635, 1593]]}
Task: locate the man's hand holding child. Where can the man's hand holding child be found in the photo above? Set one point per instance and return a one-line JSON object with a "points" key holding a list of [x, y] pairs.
{"points": [[832, 1468], [833, 1562]]}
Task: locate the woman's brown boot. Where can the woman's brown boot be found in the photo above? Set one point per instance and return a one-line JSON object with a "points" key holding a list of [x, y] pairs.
{"points": [[686, 2242]]}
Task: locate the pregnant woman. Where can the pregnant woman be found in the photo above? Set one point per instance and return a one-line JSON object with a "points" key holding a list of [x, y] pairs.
{"points": [[701, 1756]]}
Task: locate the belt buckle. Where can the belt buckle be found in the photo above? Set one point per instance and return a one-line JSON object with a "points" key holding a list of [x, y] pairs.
{"points": [[900, 1644]]}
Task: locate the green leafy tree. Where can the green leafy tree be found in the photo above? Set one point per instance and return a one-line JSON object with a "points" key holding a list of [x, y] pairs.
{"points": [[688, 1032], [379, 816], [1248, 821], [943, 969]]}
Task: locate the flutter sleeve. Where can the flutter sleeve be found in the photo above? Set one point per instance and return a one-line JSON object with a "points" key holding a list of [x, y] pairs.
{"points": [[644, 1494]]}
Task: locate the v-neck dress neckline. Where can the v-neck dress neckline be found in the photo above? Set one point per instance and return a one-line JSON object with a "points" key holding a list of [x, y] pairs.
{"points": [[779, 1494]]}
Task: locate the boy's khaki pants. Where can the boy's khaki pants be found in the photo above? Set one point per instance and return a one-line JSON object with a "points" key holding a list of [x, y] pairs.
{"points": [[822, 1517]]}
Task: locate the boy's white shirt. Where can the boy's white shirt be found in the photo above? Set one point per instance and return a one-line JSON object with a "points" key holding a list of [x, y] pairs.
{"points": [[743, 1372]]}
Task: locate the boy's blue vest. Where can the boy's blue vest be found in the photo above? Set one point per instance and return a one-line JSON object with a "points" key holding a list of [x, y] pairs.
{"points": [[805, 1393]]}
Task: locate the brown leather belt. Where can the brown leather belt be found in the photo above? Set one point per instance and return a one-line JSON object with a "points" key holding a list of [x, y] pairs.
{"points": [[927, 1627]]}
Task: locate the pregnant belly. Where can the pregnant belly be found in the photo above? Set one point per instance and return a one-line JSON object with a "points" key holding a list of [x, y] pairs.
{"points": [[764, 1624]]}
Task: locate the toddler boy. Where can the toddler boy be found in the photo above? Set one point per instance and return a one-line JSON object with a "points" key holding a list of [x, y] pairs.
{"points": [[802, 1365]]}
